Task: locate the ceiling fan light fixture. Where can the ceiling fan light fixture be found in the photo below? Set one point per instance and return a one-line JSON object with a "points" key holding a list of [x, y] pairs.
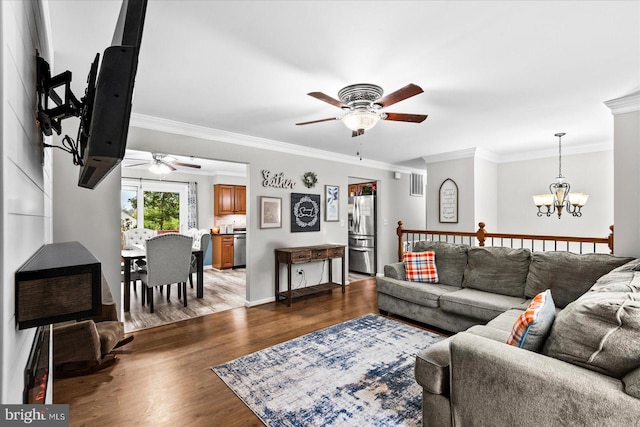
{"points": [[159, 168], [360, 120]]}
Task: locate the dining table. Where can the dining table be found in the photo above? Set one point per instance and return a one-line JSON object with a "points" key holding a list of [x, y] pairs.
{"points": [[130, 254]]}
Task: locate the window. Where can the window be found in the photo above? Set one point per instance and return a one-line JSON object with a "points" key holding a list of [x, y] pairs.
{"points": [[153, 205]]}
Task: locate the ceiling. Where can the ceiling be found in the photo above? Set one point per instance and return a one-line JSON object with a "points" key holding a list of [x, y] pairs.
{"points": [[500, 76], [142, 160]]}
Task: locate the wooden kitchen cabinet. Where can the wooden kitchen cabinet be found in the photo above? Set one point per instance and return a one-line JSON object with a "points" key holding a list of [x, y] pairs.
{"points": [[240, 199], [229, 199], [362, 188], [222, 251]]}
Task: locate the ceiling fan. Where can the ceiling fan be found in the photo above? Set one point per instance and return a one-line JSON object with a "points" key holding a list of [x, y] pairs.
{"points": [[163, 163], [363, 104]]}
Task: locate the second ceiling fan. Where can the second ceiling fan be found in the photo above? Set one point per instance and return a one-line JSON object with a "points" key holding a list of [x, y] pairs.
{"points": [[162, 163], [363, 104]]}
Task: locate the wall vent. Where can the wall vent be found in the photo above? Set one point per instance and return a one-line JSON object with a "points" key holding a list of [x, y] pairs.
{"points": [[417, 185]]}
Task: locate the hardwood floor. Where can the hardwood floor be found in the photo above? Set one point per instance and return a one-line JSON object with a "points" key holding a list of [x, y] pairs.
{"points": [[223, 290], [163, 377]]}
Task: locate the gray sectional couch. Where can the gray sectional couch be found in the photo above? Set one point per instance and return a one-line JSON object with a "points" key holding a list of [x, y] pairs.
{"points": [[587, 373]]}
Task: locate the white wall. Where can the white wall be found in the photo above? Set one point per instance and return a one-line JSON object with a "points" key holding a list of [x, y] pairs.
{"points": [[501, 194], [486, 193], [25, 210], [627, 181], [91, 217], [462, 172], [591, 173], [262, 242]]}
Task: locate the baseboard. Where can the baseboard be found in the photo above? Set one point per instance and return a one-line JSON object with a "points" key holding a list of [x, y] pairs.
{"points": [[266, 300], [259, 302]]}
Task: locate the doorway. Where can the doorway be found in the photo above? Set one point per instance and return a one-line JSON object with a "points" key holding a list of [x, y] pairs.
{"points": [[363, 226], [176, 202]]}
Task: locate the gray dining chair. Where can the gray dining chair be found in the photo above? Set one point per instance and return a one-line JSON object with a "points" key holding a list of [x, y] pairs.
{"points": [[137, 237], [201, 241], [168, 262]]}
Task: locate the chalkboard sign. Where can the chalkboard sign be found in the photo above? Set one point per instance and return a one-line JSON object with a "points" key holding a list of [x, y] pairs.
{"points": [[448, 201], [305, 212]]}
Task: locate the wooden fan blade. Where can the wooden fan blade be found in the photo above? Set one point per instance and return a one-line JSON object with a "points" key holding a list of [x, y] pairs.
{"points": [[187, 165], [326, 98], [400, 117], [318, 121], [401, 94], [136, 164], [357, 133]]}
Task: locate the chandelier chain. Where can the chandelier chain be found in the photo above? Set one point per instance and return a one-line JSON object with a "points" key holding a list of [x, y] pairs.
{"points": [[560, 156]]}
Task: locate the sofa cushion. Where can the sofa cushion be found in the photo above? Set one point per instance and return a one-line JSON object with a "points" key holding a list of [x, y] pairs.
{"points": [[531, 328], [506, 320], [498, 270], [632, 383], [432, 367], [620, 279], [599, 331], [418, 293], [490, 332], [477, 304], [420, 267], [395, 271], [568, 275], [451, 259]]}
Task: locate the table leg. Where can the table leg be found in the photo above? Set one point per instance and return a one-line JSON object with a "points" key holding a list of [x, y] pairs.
{"points": [[290, 299], [200, 274], [343, 278], [330, 271], [277, 284], [127, 284]]}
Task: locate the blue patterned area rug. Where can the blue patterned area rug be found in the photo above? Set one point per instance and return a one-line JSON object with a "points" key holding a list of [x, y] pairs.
{"points": [[356, 373]]}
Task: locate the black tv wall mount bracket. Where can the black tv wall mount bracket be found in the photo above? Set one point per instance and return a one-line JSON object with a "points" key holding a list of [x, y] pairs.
{"points": [[51, 116]]}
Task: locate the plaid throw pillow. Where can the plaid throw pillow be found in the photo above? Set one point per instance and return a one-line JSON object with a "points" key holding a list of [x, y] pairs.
{"points": [[421, 266], [532, 327]]}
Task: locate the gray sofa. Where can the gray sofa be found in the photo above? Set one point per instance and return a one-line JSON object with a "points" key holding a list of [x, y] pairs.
{"points": [[476, 284], [586, 374]]}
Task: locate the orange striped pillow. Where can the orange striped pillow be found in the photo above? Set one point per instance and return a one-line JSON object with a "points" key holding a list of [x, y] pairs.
{"points": [[532, 327], [421, 266]]}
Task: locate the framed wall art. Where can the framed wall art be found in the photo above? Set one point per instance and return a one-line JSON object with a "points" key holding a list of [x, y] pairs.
{"points": [[448, 201], [270, 212], [331, 203], [305, 212]]}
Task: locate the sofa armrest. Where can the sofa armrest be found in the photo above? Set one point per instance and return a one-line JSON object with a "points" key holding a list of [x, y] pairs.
{"points": [[493, 383], [76, 342], [395, 271]]}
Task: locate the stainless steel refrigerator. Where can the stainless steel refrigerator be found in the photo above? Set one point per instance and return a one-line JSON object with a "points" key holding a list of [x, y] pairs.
{"points": [[362, 234]]}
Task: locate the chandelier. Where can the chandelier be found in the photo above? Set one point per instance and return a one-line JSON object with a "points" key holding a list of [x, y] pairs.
{"points": [[559, 196]]}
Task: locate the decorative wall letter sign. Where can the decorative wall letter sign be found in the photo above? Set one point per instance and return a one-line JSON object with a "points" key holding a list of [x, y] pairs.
{"points": [[276, 180]]}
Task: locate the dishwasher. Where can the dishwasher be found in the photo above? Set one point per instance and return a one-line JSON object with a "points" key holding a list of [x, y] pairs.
{"points": [[239, 249]]}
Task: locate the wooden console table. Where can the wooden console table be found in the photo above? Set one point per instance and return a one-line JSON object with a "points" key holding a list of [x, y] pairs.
{"points": [[304, 254]]}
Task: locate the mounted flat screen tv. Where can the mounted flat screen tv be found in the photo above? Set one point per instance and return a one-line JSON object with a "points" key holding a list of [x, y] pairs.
{"points": [[106, 109]]}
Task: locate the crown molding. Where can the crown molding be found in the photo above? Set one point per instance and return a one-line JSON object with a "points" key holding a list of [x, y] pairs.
{"points": [[475, 152], [185, 129], [553, 152], [625, 104], [451, 155], [481, 153]]}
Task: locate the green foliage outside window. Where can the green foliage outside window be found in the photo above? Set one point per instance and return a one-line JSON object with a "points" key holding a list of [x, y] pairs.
{"points": [[161, 210]]}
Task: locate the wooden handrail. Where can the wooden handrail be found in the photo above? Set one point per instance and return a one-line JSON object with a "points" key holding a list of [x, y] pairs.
{"points": [[482, 235]]}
